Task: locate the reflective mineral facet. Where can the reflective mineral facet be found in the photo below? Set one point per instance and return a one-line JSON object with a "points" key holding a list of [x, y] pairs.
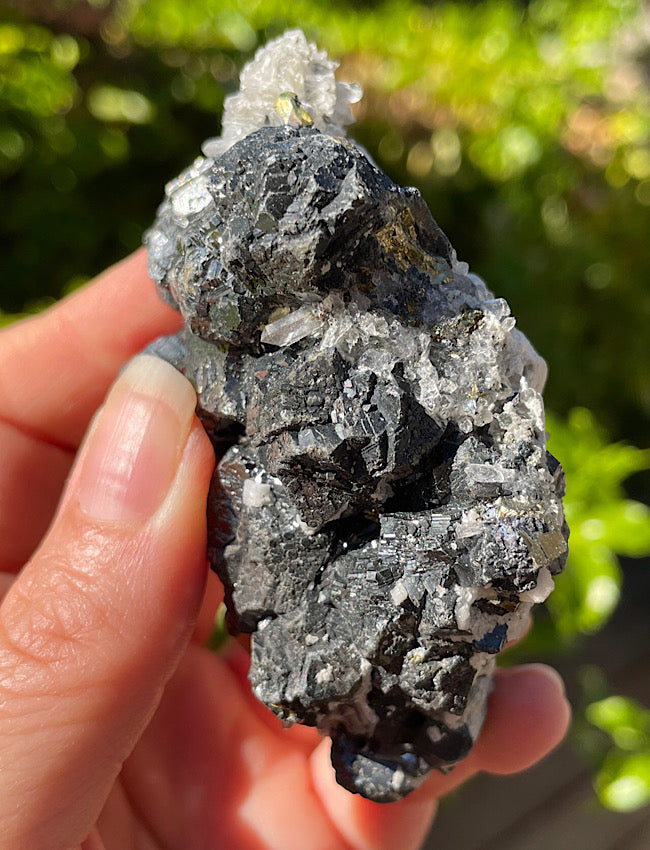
{"points": [[384, 513]]}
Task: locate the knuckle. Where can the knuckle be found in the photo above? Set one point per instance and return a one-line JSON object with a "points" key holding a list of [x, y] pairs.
{"points": [[47, 620], [58, 622]]}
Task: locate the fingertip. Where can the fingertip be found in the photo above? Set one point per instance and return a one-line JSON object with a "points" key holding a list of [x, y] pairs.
{"points": [[200, 454], [188, 493], [178, 529], [528, 716], [131, 275], [64, 360]]}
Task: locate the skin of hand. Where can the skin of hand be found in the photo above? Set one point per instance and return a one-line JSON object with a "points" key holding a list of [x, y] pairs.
{"points": [[118, 728]]}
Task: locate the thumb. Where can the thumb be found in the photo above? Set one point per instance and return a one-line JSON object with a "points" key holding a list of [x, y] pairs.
{"points": [[95, 624]]}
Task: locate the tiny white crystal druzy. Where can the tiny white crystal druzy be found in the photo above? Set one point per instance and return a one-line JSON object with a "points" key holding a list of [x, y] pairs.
{"points": [[286, 64]]}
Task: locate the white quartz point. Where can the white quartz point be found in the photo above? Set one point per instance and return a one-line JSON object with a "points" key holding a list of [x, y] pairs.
{"points": [[542, 589], [292, 328], [191, 198], [287, 64]]}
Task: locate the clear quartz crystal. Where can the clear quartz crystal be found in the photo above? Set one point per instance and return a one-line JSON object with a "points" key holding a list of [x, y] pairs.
{"points": [[287, 64], [292, 328], [189, 194], [191, 198]]}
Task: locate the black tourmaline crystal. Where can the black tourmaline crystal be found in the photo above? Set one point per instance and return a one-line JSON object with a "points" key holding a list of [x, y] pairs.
{"points": [[384, 513]]}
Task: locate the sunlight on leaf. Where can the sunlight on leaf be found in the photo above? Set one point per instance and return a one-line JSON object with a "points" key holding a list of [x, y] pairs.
{"points": [[111, 104]]}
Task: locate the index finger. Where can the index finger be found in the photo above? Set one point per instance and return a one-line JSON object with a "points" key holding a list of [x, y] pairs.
{"points": [[55, 368]]}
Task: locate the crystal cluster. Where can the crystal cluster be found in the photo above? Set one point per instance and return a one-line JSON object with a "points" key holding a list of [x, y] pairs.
{"points": [[384, 513]]}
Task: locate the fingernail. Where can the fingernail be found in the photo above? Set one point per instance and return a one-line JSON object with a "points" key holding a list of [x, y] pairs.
{"points": [[136, 442]]}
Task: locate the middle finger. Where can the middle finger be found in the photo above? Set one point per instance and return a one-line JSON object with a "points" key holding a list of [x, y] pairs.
{"points": [[32, 474]]}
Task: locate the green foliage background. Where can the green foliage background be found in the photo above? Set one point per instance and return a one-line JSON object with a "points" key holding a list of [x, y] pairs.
{"points": [[526, 125]]}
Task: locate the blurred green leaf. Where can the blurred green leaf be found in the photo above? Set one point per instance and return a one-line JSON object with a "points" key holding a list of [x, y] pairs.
{"points": [[622, 526], [110, 104], [623, 780], [626, 721], [604, 523], [219, 635], [623, 784]]}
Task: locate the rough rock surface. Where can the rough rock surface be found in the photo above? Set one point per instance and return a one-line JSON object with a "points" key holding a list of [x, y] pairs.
{"points": [[384, 513]]}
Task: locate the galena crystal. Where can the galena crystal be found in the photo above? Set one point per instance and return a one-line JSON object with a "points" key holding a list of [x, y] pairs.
{"points": [[384, 513]]}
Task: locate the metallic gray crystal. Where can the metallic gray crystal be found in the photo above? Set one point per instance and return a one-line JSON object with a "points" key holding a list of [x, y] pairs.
{"points": [[384, 513]]}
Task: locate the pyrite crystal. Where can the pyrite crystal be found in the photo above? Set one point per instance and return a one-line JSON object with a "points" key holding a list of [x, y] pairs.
{"points": [[384, 513]]}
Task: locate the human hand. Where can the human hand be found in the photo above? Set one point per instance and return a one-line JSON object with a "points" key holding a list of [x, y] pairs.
{"points": [[118, 728]]}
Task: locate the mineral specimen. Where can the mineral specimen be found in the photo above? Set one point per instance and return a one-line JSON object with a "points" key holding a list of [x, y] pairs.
{"points": [[384, 513]]}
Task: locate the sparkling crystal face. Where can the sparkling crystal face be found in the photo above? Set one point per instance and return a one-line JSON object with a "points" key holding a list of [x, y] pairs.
{"points": [[384, 513]]}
